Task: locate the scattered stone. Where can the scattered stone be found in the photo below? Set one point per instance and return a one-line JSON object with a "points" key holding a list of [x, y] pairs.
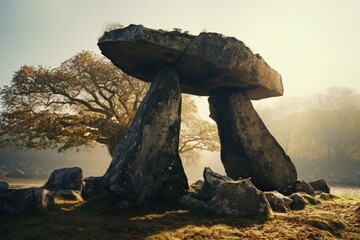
{"points": [[205, 63], [26, 200], [196, 187], [67, 194], [147, 166], [310, 199], [298, 202], [65, 178], [212, 180], [326, 196], [239, 198], [4, 186], [320, 185], [302, 186], [247, 148], [193, 203], [278, 202], [93, 186]]}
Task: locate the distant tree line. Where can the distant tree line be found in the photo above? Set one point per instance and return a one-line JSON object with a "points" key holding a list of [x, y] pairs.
{"points": [[323, 126]]}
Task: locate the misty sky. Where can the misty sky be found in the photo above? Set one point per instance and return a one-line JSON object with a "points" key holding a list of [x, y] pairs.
{"points": [[313, 44]]}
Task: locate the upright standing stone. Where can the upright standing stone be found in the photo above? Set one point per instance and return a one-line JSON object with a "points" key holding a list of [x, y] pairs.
{"points": [[247, 147], [147, 165]]}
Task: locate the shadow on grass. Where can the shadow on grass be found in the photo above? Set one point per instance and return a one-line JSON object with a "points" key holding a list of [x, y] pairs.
{"points": [[97, 219]]}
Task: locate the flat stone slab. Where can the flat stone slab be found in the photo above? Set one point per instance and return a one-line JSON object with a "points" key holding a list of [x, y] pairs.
{"points": [[205, 63]]}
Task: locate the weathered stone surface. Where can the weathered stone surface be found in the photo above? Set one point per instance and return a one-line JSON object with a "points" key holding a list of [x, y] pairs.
{"points": [[193, 203], [310, 199], [239, 198], [320, 185], [247, 148], [302, 186], [327, 196], [147, 165], [211, 181], [67, 194], [206, 62], [93, 186], [196, 187], [4, 186], [278, 202], [65, 178], [25, 201], [300, 200]]}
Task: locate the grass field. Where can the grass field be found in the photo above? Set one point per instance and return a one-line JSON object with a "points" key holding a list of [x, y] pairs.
{"points": [[336, 219]]}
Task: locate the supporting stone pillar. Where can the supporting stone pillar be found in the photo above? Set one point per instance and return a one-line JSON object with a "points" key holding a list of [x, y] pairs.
{"points": [[247, 148], [147, 166]]}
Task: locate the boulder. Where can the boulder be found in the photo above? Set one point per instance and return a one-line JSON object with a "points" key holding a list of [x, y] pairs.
{"points": [[4, 186], [302, 186], [211, 181], [67, 195], [26, 200], [93, 186], [206, 62], [239, 198], [248, 150], [326, 196], [65, 178], [310, 199], [278, 202], [300, 200], [147, 166], [320, 186], [193, 203], [197, 186]]}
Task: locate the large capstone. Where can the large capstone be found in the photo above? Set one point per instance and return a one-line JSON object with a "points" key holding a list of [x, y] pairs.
{"points": [[248, 150], [147, 166], [205, 62]]}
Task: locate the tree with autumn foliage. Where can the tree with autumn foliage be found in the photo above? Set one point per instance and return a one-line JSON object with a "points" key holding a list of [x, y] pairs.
{"points": [[83, 102]]}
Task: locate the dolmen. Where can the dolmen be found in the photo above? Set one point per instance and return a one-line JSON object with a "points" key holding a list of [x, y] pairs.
{"points": [[147, 166]]}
